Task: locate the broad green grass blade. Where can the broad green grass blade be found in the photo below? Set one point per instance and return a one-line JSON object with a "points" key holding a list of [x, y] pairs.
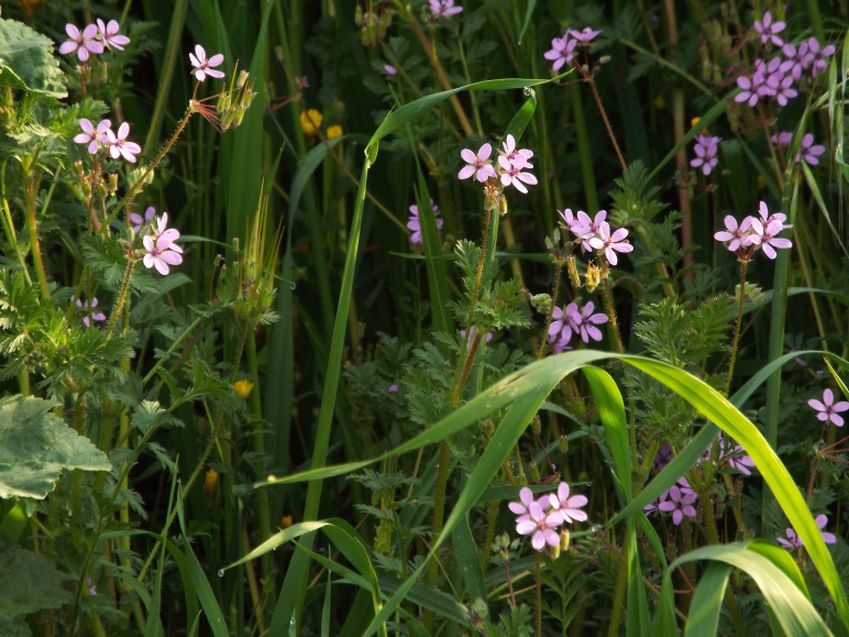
{"points": [[793, 611], [523, 116], [706, 605], [467, 555], [611, 412], [325, 608], [529, 12]]}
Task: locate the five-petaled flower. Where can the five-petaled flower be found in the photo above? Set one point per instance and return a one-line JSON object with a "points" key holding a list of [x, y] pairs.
{"points": [[83, 42], [477, 164], [808, 151], [414, 224], [204, 66], [769, 30], [90, 314], [444, 8], [680, 504], [562, 51], [110, 36], [541, 526], [161, 249], [828, 410], [120, 146], [568, 506], [706, 149], [609, 244], [94, 137]]}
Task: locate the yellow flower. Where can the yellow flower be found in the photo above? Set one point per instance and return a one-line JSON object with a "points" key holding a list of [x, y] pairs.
{"points": [[695, 121], [285, 521], [311, 121], [243, 388], [334, 131], [210, 481]]}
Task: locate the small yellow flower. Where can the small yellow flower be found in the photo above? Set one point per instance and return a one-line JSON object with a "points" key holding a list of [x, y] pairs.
{"points": [[311, 121], [695, 121], [660, 103], [286, 522], [334, 131], [210, 481], [243, 388]]}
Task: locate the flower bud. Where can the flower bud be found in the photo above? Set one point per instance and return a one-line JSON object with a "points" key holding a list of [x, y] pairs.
{"points": [[593, 277], [572, 269], [541, 303]]}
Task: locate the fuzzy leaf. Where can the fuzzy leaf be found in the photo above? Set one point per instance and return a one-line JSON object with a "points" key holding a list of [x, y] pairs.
{"points": [[27, 62], [30, 583], [35, 446]]}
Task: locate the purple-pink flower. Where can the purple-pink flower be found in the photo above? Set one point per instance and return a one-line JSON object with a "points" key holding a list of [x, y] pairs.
{"points": [[390, 70], [139, 222], [792, 541], [827, 410], [203, 66], [736, 236], [161, 248], [393, 388], [706, 149], [477, 164], [782, 138], [120, 146], [562, 51], [585, 35], [90, 314], [769, 30], [680, 504], [92, 136], [444, 8], [84, 42], [533, 520], [734, 456], [808, 151], [568, 506], [610, 244], [515, 175], [817, 56], [414, 223], [109, 35], [765, 236], [571, 320]]}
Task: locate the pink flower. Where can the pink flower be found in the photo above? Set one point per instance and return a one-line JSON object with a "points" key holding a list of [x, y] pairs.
{"points": [[119, 145], [477, 164], [514, 175], [562, 51], [769, 30], [569, 507], [92, 136], [563, 323], [736, 236], [793, 541], [764, 235], [414, 223], [808, 151], [83, 42], [203, 66], [390, 70], [393, 389], [735, 456], [828, 410], [541, 526], [520, 508], [110, 36], [585, 35], [518, 157], [610, 244], [88, 311], [139, 222], [680, 504], [586, 321], [706, 149], [444, 8]]}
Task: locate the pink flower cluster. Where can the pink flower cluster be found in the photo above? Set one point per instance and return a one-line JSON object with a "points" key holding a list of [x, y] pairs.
{"points": [[102, 136], [94, 39], [677, 500], [510, 168], [574, 321], [541, 517], [594, 234], [161, 249], [755, 233], [792, 541], [414, 224], [706, 149], [562, 50], [809, 152], [776, 77]]}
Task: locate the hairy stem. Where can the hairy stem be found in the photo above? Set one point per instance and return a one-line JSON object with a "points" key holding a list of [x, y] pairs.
{"points": [[736, 340], [558, 268]]}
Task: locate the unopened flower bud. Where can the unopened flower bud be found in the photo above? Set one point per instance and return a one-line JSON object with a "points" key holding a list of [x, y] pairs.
{"points": [[113, 183], [564, 444], [502, 204], [553, 551], [572, 269], [565, 540], [243, 79], [541, 303], [536, 424]]}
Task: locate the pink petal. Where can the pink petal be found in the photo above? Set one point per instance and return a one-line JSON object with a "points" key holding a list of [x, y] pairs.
{"points": [[215, 60]]}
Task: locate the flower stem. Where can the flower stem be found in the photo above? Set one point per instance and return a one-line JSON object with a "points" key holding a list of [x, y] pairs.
{"points": [[611, 313], [122, 296], [558, 267], [32, 226], [735, 342], [591, 81], [539, 593]]}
